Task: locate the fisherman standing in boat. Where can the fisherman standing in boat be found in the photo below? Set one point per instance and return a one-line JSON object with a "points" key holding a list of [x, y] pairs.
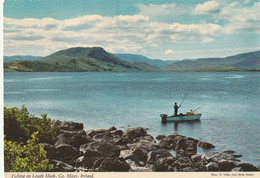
{"points": [[176, 107]]}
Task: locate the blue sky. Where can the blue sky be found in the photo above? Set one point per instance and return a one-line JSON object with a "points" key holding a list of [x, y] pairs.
{"points": [[164, 29]]}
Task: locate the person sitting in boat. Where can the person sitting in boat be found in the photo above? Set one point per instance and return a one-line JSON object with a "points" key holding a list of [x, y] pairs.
{"points": [[189, 113], [176, 107]]}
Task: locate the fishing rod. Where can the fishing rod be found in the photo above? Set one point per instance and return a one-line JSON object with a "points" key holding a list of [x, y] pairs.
{"points": [[185, 95], [196, 109]]}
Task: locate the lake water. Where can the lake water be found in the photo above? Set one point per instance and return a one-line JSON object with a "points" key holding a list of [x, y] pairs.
{"points": [[229, 103]]}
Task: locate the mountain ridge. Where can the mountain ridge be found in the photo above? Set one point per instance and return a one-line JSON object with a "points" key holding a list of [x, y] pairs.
{"points": [[90, 59]]}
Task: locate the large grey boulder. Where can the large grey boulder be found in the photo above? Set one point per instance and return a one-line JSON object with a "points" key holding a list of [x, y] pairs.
{"points": [[67, 153], [68, 125], [153, 156], [133, 133], [214, 157], [170, 142], [163, 164], [95, 150], [105, 164], [74, 139], [51, 151], [189, 146]]}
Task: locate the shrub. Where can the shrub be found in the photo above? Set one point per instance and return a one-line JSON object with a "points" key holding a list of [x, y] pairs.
{"points": [[19, 125], [27, 158]]}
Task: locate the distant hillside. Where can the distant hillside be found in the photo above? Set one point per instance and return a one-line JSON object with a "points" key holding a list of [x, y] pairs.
{"points": [[97, 59], [249, 60], [19, 58], [140, 58], [78, 59]]}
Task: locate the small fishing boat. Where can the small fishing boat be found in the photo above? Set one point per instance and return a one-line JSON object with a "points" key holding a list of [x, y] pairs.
{"points": [[189, 116], [181, 117]]}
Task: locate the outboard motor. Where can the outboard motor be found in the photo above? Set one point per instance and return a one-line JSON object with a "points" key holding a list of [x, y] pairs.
{"points": [[164, 118]]}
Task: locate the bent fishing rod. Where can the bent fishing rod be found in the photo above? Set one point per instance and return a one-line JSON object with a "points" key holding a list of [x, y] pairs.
{"points": [[185, 95]]}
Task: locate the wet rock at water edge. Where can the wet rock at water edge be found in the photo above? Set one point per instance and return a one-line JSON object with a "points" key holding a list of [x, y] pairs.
{"points": [[68, 125], [229, 151], [159, 137], [237, 156], [205, 145], [132, 133], [189, 146]]}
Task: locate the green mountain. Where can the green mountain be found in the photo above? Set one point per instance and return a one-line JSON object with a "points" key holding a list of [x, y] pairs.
{"points": [[140, 58], [249, 60], [78, 59], [97, 59]]}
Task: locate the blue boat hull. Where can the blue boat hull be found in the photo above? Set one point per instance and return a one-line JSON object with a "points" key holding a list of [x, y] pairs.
{"points": [[183, 117]]}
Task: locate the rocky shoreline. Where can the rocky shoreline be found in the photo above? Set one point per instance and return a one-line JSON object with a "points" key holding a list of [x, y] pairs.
{"points": [[134, 150]]}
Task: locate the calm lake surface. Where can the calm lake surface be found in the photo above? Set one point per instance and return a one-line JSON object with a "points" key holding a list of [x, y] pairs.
{"points": [[229, 103]]}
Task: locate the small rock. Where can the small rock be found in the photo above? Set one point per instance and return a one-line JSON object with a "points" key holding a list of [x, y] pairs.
{"points": [[247, 166], [113, 164], [237, 169], [121, 141], [140, 169], [227, 165], [237, 156], [117, 132], [212, 166], [196, 158], [229, 151], [79, 161], [159, 137], [205, 145], [60, 166]]}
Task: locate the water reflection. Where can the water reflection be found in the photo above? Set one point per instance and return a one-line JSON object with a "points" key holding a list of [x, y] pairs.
{"points": [[179, 127]]}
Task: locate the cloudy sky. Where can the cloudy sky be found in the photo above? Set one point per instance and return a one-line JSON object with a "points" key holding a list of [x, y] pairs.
{"points": [[164, 29]]}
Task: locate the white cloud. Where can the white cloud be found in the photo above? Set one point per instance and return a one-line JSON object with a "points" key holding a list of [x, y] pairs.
{"points": [[208, 7], [162, 11], [247, 1], [237, 17], [120, 34], [169, 51], [241, 19]]}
